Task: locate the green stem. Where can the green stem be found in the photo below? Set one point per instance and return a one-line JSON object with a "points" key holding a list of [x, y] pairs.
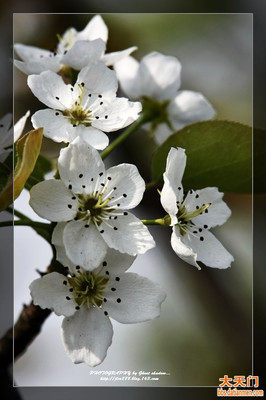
{"points": [[165, 221], [145, 117], [17, 213], [43, 229]]}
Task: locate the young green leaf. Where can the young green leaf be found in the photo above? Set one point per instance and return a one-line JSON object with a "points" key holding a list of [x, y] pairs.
{"points": [[27, 151], [219, 153]]}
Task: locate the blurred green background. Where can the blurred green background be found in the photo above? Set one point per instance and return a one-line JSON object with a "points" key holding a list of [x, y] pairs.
{"points": [[205, 330]]}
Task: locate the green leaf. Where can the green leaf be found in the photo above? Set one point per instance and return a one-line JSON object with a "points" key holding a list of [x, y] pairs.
{"points": [[219, 153], [42, 167], [27, 151]]}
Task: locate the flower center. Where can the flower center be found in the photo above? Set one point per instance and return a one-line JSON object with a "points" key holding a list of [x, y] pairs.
{"points": [[78, 114], [88, 288], [93, 208], [184, 217]]}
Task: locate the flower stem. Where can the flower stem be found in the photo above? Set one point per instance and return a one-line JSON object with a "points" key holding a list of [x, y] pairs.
{"points": [[165, 221], [43, 229], [17, 213], [145, 117]]}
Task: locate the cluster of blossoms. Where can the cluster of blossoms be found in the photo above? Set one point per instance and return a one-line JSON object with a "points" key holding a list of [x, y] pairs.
{"points": [[96, 237]]}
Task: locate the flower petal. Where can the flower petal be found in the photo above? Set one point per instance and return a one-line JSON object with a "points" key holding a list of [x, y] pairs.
{"points": [[36, 60], [19, 126], [98, 79], [129, 186], [127, 74], [87, 336], [84, 52], [188, 107], [216, 214], [117, 115], [52, 291], [172, 191], [51, 90], [95, 29], [84, 245], [127, 234], [27, 53], [73, 165], [159, 76], [133, 299], [54, 124], [209, 250], [53, 201], [183, 250], [114, 57], [116, 263], [57, 241], [92, 136]]}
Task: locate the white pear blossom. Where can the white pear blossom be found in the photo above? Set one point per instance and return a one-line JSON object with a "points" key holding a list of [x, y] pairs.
{"points": [[75, 49], [192, 215], [10, 134], [88, 298], [92, 202], [86, 109], [156, 80]]}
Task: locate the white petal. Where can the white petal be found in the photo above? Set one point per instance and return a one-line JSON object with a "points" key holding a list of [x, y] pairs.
{"points": [[51, 291], [115, 262], [79, 165], [112, 58], [38, 66], [84, 52], [87, 336], [84, 245], [217, 213], [183, 250], [19, 126], [92, 136], [29, 53], [53, 201], [98, 79], [159, 76], [36, 60], [51, 90], [172, 191], [209, 251], [57, 241], [54, 124], [95, 29], [127, 74], [136, 299], [188, 107], [161, 133], [127, 234], [128, 183], [120, 113]]}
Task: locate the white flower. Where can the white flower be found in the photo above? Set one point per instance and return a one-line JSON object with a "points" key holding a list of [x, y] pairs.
{"points": [[75, 49], [156, 80], [85, 109], [88, 299], [193, 215], [10, 134], [93, 203]]}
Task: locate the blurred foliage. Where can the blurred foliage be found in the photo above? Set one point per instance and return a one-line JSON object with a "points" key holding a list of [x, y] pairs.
{"points": [[219, 153]]}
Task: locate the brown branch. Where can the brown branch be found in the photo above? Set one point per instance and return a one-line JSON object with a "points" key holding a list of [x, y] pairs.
{"points": [[26, 329]]}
